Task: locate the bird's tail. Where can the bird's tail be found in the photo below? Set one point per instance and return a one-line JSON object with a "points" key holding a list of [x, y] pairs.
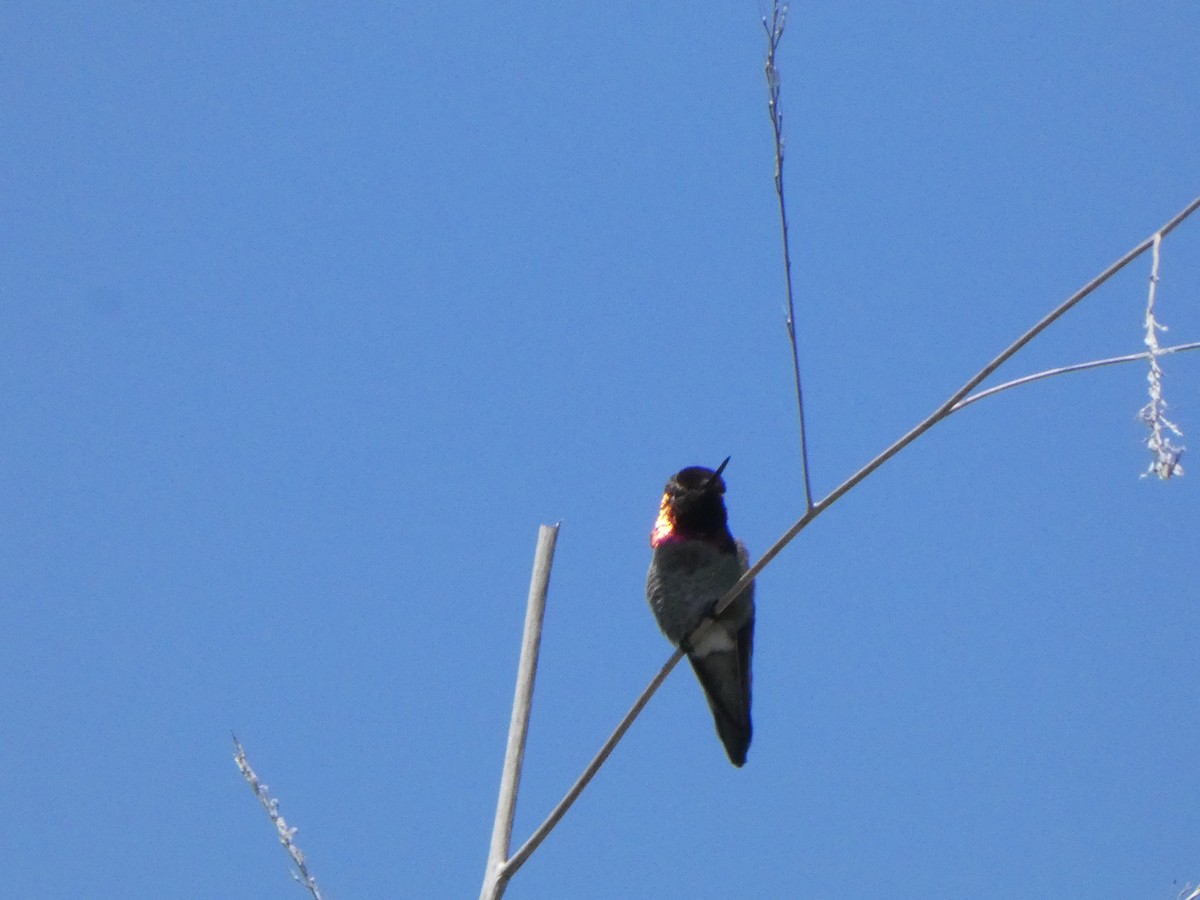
{"points": [[726, 684]]}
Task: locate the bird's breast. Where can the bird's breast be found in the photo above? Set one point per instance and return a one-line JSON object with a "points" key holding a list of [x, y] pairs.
{"points": [[685, 581]]}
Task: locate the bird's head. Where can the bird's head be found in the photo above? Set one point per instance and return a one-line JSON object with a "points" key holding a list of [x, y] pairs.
{"points": [[693, 508]]}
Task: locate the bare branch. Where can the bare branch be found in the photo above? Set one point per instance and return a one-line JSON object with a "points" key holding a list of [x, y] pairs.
{"points": [[498, 870], [948, 406], [958, 400], [1065, 370], [286, 835], [774, 30], [593, 767]]}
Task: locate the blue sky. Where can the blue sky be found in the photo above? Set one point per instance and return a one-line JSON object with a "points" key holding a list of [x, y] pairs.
{"points": [[310, 315]]}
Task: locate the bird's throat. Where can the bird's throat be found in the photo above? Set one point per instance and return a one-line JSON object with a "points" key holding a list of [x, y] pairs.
{"points": [[663, 531]]}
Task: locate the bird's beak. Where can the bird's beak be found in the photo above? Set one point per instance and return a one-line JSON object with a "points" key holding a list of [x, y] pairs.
{"points": [[713, 478]]}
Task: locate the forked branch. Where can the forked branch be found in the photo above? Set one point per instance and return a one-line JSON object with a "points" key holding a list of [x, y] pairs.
{"points": [[501, 870], [960, 399], [954, 402]]}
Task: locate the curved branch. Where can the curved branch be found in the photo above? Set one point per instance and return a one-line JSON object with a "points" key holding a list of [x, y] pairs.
{"points": [[1066, 370]]}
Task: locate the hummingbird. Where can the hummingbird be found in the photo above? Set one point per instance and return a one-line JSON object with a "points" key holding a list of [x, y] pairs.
{"points": [[696, 560]]}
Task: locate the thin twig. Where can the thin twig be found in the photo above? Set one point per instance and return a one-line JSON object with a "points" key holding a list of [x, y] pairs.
{"points": [[1065, 370], [950, 406], [286, 835], [774, 30], [497, 873]]}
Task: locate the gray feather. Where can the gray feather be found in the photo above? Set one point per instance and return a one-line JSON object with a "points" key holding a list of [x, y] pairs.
{"points": [[685, 581]]}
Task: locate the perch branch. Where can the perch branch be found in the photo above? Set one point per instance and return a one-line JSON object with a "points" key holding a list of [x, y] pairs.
{"points": [[958, 400]]}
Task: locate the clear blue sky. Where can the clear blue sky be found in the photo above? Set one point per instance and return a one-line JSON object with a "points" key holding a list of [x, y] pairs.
{"points": [[311, 314]]}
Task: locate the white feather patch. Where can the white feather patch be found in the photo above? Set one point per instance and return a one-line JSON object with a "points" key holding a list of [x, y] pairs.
{"points": [[715, 639]]}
